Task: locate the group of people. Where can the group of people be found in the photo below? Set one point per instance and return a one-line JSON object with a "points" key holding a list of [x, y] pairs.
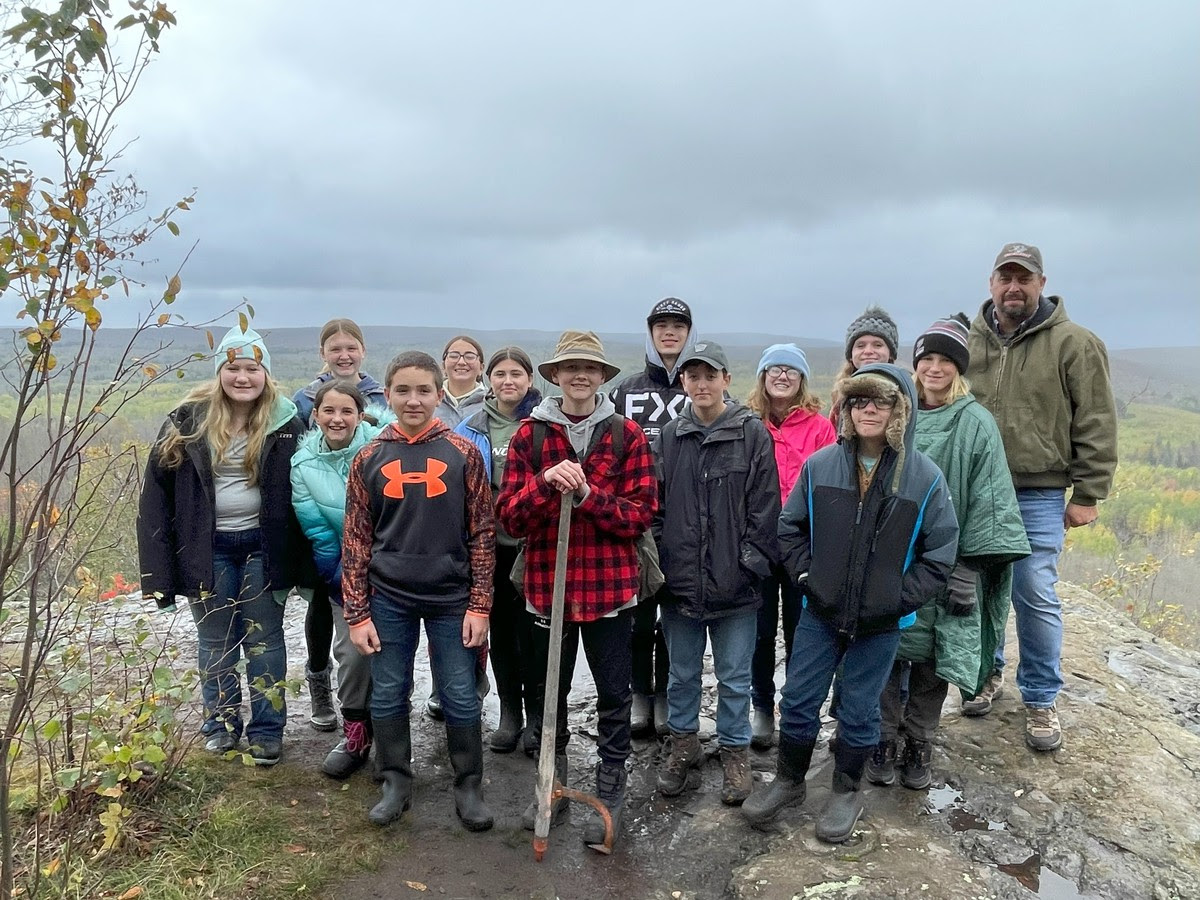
{"points": [[890, 535]]}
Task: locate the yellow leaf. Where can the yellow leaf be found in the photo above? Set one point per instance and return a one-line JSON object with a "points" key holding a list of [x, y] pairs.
{"points": [[417, 886], [135, 891], [211, 343], [52, 867], [150, 371], [92, 317], [115, 791], [296, 848], [175, 285], [164, 318], [243, 322]]}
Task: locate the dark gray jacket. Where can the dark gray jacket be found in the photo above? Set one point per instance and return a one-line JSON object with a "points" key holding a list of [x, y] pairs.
{"points": [[716, 528], [866, 563]]}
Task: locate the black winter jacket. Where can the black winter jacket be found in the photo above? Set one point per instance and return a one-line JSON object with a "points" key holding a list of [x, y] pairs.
{"points": [[176, 516], [718, 512]]}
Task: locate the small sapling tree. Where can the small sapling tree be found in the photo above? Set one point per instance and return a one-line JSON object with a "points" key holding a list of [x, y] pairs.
{"points": [[88, 722]]}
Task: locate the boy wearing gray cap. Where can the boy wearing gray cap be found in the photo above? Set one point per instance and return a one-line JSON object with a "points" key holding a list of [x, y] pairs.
{"points": [[716, 532]]}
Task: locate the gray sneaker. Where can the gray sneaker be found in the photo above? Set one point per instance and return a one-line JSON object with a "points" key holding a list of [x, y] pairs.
{"points": [[1042, 728], [992, 690]]}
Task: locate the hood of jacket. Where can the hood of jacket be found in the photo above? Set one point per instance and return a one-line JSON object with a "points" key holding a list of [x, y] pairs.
{"points": [[366, 385], [655, 367], [994, 343], [579, 433], [732, 419], [477, 394], [392, 432], [882, 380]]}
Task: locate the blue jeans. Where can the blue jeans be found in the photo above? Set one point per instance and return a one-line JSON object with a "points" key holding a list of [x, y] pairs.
{"points": [[240, 617], [453, 665], [866, 664], [733, 649], [1034, 600]]}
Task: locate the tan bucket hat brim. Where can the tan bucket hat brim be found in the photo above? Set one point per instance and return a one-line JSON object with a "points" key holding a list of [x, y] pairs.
{"points": [[578, 345]]}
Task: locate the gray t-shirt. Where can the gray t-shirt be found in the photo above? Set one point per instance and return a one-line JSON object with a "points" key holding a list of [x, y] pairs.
{"points": [[237, 503]]}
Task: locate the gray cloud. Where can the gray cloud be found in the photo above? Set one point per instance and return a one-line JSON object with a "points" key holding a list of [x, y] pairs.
{"points": [[779, 165]]}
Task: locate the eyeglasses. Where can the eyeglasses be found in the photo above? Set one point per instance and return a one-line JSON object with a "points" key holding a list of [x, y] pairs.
{"points": [[782, 372], [863, 402], [469, 356]]}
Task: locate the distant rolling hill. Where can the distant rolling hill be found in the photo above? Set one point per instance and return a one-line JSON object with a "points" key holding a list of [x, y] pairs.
{"points": [[1169, 375]]}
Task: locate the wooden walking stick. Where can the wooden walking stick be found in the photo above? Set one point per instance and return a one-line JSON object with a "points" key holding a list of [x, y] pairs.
{"points": [[548, 788]]}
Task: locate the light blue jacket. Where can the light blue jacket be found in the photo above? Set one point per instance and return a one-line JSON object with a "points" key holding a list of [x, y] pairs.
{"points": [[319, 490]]}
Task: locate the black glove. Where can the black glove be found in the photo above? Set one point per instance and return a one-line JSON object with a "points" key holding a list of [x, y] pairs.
{"points": [[960, 595]]}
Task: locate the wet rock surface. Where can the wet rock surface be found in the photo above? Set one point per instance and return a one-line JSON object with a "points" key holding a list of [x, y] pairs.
{"points": [[1114, 814]]}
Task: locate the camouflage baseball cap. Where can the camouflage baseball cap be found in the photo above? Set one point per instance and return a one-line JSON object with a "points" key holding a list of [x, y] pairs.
{"points": [[1026, 256]]}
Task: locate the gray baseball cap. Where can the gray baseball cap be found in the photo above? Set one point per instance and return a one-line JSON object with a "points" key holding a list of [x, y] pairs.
{"points": [[706, 352], [1025, 255]]}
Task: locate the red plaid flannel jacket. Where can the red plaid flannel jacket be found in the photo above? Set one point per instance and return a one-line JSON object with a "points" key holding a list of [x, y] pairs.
{"points": [[602, 569]]}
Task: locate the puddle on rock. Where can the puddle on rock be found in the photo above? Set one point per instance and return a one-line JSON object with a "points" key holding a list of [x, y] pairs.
{"points": [[1043, 881], [950, 801]]}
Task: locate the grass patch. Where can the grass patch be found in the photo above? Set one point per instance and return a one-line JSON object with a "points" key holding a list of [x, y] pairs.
{"points": [[231, 831]]}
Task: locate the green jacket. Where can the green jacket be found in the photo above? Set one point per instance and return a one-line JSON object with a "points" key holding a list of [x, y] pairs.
{"points": [[1050, 393], [963, 440]]}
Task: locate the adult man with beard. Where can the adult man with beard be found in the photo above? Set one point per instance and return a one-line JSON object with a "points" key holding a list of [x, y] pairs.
{"points": [[1046, 381]]}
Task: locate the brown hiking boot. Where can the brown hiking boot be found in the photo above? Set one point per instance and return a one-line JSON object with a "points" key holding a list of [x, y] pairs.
{"points": [[1042, 728], [735, 761], [685, 754], [991, 691]]}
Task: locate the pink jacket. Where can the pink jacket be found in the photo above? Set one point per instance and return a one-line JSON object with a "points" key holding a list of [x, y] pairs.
{"points": [[800, 435]]}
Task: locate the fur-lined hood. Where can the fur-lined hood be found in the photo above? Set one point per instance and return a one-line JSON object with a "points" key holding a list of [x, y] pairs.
{"points": [[883, 380]]}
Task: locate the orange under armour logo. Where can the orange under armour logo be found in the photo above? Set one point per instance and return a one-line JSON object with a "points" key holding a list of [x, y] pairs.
{"points": [[397, 478]]}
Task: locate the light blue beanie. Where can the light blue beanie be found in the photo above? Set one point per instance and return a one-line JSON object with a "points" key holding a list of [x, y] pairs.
{"points": [[784, 355], [237, 344]]}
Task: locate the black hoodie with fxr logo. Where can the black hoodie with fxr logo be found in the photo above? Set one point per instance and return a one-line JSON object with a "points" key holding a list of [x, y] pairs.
{"points": [[653, 397], [420, 529]]}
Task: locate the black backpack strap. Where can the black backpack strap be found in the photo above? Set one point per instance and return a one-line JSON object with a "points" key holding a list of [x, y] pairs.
{"points": [[539, 438], [616, 427]]}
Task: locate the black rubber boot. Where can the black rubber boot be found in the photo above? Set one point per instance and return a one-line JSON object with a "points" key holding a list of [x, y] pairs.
{"points": [[508, 732], [788, 788], [610, 789], [559, 807], [465, 743], [915, 770], [393, 754], [845, 806]]}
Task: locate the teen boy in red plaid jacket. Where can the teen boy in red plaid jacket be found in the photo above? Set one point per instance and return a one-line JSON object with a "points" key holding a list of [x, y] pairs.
{"points": [[615, 493]]}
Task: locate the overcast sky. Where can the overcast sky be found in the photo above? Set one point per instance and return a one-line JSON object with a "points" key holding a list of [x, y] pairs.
{"points": [[777, 165]]}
